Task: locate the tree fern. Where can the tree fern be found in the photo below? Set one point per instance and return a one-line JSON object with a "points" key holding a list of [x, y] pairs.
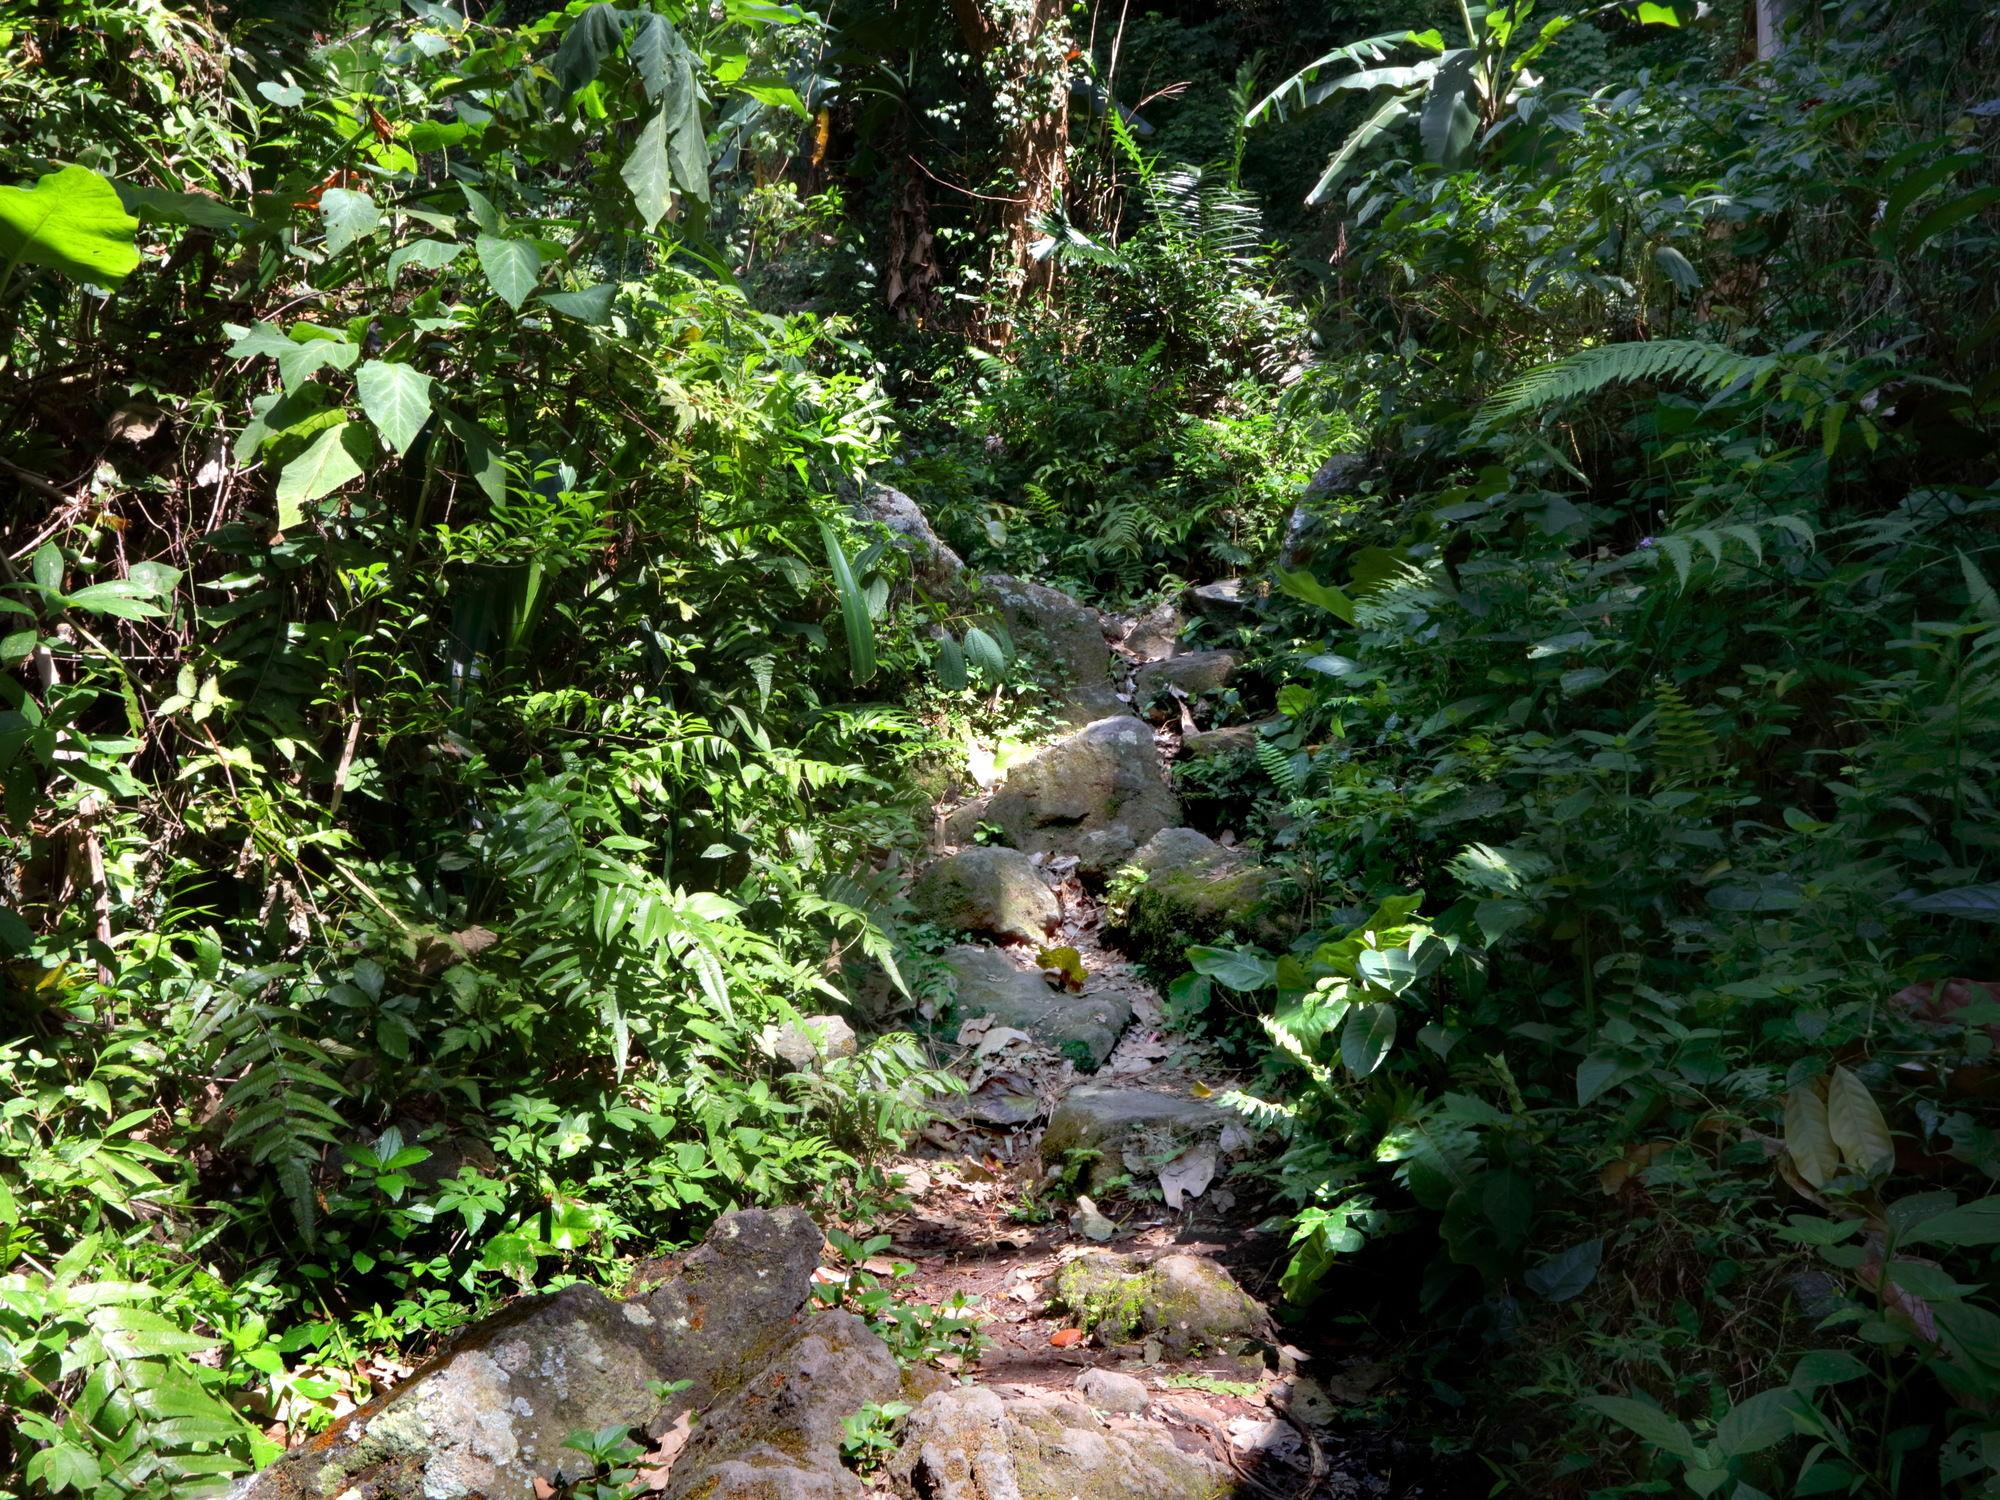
{"points": [[1713, 367]]}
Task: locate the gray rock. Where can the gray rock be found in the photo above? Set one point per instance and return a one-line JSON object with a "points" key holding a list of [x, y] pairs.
{"points": [[1098, 794], [1154, 634], [991, 890], [808, 1042], [1049, 623], [958, 827], [1083, 1027], [1187, 1302], [1305, 527], [1111, 1120], [1194, 891], [1195, 673], [778, 1438], [1018, 1443], [932, 563], [1227, 598], [1107, 1390], [489, 1417], [1228, 739]]}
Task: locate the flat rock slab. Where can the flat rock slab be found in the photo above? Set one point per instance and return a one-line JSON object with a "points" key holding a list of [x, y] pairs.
{"points": [[1226, 739], [1112, 1120], [489, 1417], [1083, 1027], [1097, 794], [1195, 673], [995, 891], [1188, 1303], [1070, 636], [1019, 1443], [1226, 597]]}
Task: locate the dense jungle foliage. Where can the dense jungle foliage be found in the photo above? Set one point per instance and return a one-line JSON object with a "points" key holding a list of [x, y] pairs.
{"points": [[452, 709]]}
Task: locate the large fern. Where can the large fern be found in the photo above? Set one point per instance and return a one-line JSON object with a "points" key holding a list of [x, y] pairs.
{"points": [[1712, 367]]}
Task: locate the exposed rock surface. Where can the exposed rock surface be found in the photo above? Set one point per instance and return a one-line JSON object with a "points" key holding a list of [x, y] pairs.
{"points": [[1112, 1120], [1018, 1443], [1195, 673], [932, 563], [809, 1041], [1187, 1302], [1156, 633], [1085, 1026], [490, 1416], [1226, 739], [1097, 794], [1194, 891], [1068, 634], [1108, 1390], [988, 890], [778, 1437], [1226, 598]]}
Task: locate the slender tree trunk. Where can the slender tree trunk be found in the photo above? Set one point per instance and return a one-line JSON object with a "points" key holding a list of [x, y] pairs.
{"points": [[1023, 47], [1770, 28]]}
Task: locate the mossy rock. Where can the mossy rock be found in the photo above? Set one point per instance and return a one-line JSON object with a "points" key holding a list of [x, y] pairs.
{"points": [[1187, 1302], [1192, 892], [993, 891]]}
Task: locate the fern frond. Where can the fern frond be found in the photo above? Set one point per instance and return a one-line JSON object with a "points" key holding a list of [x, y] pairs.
{"points": [[1709, 366]]}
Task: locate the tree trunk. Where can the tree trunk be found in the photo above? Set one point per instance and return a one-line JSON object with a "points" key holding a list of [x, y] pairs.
{"points": [[1023, 48]]}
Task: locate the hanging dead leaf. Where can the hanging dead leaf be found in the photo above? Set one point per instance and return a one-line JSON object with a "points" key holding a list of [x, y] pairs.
{"points": [[1627, 1167]]}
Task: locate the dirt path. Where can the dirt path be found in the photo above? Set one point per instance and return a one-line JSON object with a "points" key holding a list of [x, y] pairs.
{"points": [[993, 1211]]}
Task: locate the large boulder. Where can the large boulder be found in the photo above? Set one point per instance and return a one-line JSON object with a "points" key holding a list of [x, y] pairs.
{"points": [[1226, 599], [1195, 673], [1155, 635], [1097, 794], [1084, 1028], [778, 1437], [1069, 636], [1110, 1121], [801, 1045], [1020, 1443], [1188, 1303], [1194, 890], [989, 890], [489, 1417], [932, 563]]}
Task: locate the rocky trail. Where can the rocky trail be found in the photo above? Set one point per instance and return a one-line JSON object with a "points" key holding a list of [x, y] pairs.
{"points": [[1077, 1201]]}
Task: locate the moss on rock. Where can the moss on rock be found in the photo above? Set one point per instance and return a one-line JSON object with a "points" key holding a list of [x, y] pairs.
{"points": [[1187, 1302]]}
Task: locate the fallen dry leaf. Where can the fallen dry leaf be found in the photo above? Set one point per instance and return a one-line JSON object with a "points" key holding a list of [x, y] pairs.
{"points": [[1187, 1177], [1066, 1338]]}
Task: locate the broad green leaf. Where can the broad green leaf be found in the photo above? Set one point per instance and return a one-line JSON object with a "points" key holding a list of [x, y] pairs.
{"points": [[591, 305], [1652, 1424], [1762, 1421], [1366, 1037], [853, 609], [70, 221], [320, 470], [348, 216], [159, 206], [1976, 1223], [1807, 1140], [1239, 968], [1651, 14], [1971, 903], [66, 1466], [985, 653], [1302, 585], [777, 95], [1566, 1275], [1677, 268], [483, 459], [951, 665], [1856, 1125], [1822, 1367], [48, 567], [648, 174], [429, 255], [1597, 1073], [511, 267], [1447, 121], [397, 399], [591, 37]]}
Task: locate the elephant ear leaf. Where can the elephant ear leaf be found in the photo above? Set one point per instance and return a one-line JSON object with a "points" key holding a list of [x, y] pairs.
{"points": [[70, 221]]}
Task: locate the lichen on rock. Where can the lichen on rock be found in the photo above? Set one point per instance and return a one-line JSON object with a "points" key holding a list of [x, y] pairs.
{"points": [[1187, 1302]]}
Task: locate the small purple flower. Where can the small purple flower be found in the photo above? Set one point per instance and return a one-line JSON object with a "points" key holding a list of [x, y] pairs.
{"points": [[1645, 542]]}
